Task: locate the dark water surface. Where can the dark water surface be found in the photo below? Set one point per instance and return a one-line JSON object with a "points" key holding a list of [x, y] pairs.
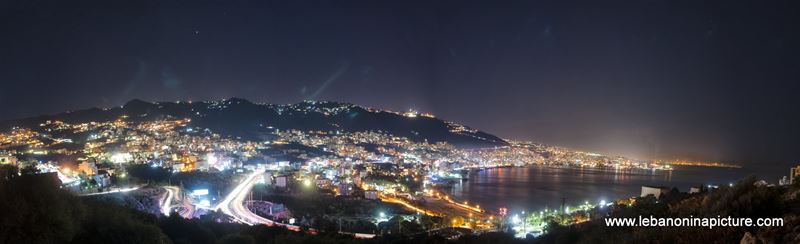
{"points": [[537, 187]]}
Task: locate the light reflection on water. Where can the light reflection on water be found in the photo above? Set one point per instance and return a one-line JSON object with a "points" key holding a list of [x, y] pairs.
{"points": [[539, 187]]}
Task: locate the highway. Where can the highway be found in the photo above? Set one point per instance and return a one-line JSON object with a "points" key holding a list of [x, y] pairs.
{"points": [[176, 199], [167, 204], [391, 199], [233, 205]]}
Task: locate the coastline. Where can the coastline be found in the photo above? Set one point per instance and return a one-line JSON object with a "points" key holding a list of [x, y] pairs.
{"points": [[536, 187]]}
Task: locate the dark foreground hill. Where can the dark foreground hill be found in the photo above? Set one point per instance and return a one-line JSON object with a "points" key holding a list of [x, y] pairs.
{"points": [[36, 210], [241, 118]]}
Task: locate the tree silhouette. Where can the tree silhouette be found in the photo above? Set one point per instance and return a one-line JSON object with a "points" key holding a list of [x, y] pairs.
{"points": [[35, 210]]}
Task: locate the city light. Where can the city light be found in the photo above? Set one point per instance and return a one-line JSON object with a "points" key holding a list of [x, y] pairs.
{"points": [[315, 122], [200, 192], [169, 145], [212, 159], [119, 158]]}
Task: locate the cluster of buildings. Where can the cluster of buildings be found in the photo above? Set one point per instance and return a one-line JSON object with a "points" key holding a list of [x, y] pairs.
{"points": [[105, 147], [97, 150], [373, 165]]}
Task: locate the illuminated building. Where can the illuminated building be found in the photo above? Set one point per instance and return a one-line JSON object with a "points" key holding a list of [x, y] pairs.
{"points": [[345, 189], [87, 168], [794, 173], [371, 194], [8, 159], [281, 181], [656, 191]]}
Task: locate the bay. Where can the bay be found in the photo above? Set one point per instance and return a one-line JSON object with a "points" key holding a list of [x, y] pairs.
{"points": [[535, 188]]}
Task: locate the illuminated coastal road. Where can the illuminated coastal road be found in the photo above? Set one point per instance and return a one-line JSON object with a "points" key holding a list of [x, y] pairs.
{"points": [[445, 207]]}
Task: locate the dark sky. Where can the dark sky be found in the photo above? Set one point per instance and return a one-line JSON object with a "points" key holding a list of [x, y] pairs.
{"points": [[713, 80]]}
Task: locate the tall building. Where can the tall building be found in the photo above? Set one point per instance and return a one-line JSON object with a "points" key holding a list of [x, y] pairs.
{"points": [[794, 173]]}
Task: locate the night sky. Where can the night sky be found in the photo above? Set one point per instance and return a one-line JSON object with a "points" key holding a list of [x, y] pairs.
{"points": [[709, 80]]}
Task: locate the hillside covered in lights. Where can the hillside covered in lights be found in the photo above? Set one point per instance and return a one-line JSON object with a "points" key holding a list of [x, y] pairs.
{"points": [[243, 119]]}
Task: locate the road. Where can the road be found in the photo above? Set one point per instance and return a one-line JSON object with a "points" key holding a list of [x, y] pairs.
{"points": [[233, 204], [112, 191], [176, 199], [391, 199], [166, 205]]}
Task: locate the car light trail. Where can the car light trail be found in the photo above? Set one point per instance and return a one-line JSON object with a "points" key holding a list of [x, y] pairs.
{"points": [[233, 206], [113, 191], [407, 205], [166, 206]]}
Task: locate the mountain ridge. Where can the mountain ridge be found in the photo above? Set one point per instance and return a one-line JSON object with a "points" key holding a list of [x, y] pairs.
{"points": [[238, 117]]}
